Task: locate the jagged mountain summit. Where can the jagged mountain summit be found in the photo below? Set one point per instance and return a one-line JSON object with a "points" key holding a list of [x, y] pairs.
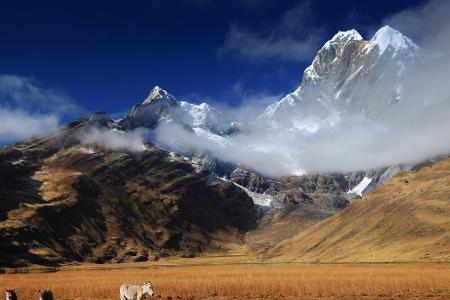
{"points": [[348, 75], [160, 106], [157, 94]]}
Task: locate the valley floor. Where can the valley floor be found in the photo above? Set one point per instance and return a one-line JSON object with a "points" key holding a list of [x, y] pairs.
{"points": [[235, 278]]}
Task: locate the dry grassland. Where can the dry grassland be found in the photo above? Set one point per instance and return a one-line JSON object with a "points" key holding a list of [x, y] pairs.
{"points": [[241, 281], [405, 219]]}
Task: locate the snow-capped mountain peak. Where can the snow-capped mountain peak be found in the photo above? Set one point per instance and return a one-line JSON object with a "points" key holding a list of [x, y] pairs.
{"points": [[351, 34], [158, 94], [341, 39], [349, 75], [160, 106], [386, 37]]}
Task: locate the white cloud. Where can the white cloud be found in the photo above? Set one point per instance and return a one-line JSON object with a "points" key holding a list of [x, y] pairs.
{"points": [[28, 110], [295, 37], [353, 143], [114, 139], [19, 124], [251, 103]]}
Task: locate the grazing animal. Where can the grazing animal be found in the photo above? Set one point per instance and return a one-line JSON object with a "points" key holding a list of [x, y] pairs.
{"points": [[10, 295], [131, 292], [45, 294]]}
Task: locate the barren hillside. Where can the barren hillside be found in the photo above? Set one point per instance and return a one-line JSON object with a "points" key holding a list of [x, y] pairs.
{"points": [[407, 218]]}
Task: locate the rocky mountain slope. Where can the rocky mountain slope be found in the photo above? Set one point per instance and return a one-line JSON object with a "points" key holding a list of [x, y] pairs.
{"points": [[63, 201], [407, 218]]}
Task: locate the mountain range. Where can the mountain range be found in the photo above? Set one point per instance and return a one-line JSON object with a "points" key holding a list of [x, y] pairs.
{"points": [[349, 75], [103, 190]]}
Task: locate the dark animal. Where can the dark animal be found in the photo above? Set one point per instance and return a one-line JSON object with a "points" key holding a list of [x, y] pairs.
{"points": [[45, 294], [10, 295]]}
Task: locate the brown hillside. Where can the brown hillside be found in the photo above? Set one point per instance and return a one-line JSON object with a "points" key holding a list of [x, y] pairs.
{"points": [[407, 218], [62, 202]]}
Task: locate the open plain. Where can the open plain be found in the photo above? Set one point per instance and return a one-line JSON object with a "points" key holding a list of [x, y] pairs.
{"points": [[203, 279]]}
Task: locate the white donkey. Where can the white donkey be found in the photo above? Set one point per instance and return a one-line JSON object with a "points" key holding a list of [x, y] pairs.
{"points": [[10, 295], [131, 292]]}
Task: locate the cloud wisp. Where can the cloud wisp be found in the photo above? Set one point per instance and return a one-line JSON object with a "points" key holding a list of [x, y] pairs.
{"points": [[427, 24], [295, 37]]}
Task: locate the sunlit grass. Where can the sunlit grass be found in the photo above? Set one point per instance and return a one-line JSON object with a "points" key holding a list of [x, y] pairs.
{"points": [[243, 281]]}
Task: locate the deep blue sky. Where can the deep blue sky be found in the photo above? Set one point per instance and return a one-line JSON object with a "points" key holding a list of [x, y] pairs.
{"points": [[108, 54]]}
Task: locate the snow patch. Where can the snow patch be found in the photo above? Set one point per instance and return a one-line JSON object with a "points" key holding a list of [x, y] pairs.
{"points": [[360, 187], [87, 150], [17, 162], [263, 200]]}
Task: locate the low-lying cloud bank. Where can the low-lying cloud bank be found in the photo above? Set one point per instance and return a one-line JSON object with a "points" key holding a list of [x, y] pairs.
{"points": [[114, 139], [354, 143], [417, 128]]}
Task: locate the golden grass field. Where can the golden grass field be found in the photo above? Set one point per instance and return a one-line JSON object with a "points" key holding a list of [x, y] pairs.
{"points": [[243, 281]]}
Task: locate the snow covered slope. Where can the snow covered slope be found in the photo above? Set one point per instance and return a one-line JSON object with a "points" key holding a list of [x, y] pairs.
{"points": [[160, 106]]}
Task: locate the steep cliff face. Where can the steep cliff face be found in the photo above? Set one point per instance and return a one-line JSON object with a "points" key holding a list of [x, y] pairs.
{"points": [[63, 201]]}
